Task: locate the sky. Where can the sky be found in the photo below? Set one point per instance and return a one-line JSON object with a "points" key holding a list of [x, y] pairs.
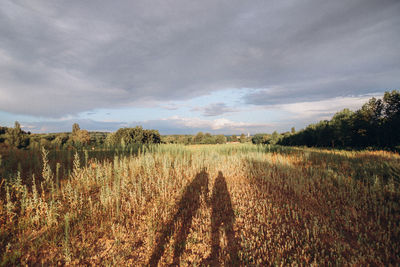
{"points": [[224, 67]]}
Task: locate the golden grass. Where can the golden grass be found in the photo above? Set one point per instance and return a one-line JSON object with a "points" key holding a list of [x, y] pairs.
{"points": [[209, 205]]}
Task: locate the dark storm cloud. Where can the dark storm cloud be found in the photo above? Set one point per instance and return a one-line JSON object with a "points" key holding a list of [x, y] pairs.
{"points": [[60, 58]]}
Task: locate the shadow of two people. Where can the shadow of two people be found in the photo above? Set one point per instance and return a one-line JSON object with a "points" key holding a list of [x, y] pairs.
{"points": [[222, 215]]}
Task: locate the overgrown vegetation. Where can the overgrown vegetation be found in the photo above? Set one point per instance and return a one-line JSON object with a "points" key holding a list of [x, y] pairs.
{"points": [[204, 205]]}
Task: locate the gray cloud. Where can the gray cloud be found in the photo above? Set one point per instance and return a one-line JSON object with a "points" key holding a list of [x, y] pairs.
{"points": [[356, 85], [59, 58], [215, 109]]}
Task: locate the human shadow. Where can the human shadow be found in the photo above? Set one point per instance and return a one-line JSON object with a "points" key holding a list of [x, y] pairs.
{"points": [[181, 221], [222, 216]]}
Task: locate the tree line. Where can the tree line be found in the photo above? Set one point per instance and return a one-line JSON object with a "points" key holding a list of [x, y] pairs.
{"points": [[123, 137], [78, 138], [270, 139], [375, 124], [203, 138]]}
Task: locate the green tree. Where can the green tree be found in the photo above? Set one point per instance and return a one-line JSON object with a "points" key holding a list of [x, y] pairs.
{"points": [[79, 137], [198, 139], [391, 112], [208, 139], [220, 139], [274, 138], [341, 125], [75, 128], [168, 139], [128, 136], [60, 140], [82, 137], [260, 139], [15, 137], [151, 137], [110, 139], [367, 123], [3, 131], [242, 138]]}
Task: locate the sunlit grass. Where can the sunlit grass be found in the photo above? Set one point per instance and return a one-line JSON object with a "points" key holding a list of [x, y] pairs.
{"points": [[289, 205]]}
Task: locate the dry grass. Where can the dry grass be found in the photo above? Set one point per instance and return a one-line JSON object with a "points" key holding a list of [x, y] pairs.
{"points": [[209, 205]]}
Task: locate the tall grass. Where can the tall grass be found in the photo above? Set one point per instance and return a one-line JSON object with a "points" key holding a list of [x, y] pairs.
{"points": [[166, 204], [30, 162]]}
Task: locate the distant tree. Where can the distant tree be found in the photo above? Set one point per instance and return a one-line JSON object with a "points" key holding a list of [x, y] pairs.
{"points": [[15, 137], [266, 139], [44, 142], [208, 139], [136, 135], [259, 139], [111, 139], [75, 128], [60, 140], [186, 139], [392, 104], [234, 138], [98, 139], [177, 139], [274, 138], [220, 139], [151, 137], [168, 139], [293, 130], [391, 120], [198, 139], [341, 126], [79, 137], [3, 131], [242, 138], [367, 123]]}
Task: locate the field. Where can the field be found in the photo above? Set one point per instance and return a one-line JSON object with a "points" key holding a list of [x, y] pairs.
{"points": [[207, 205]]}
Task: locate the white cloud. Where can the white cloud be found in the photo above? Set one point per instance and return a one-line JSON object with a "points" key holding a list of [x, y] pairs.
{"points": [[220, 124], [324, 109]]}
